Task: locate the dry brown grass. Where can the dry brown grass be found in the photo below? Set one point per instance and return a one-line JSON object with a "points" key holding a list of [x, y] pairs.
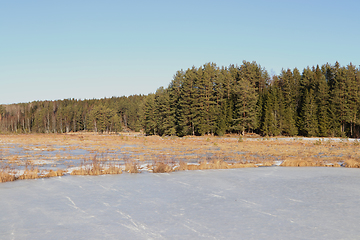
{"points": [[96, 167], [112, 170], [6, 177], [57, 173], [243, 165], [333, 165], [7, 174], [182, 166], [352, 163], [97, 170], [131, 167], [215, 164], [267, 164], [30, 174], [225, 152], [13, 158], [311, 162], [160, 167]]}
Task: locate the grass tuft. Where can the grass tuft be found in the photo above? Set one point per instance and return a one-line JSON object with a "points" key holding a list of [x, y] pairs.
{"points": [[351, 163], [131, 167], [160, 167]]}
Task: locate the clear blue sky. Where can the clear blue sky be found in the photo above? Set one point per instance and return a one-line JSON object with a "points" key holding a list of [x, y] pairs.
{"points": [[93, 49]]}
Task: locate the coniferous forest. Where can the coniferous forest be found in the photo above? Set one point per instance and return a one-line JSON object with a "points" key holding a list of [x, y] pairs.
{"points": [[321, 101], [70, 115]]}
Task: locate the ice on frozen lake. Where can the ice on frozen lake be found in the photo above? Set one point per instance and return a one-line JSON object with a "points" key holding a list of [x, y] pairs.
{"points": [[252, 203]]}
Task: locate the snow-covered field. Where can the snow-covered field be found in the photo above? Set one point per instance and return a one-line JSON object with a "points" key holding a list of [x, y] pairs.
{"points": [[251, 203]]}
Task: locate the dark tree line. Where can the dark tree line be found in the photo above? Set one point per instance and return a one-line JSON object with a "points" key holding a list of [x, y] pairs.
{"points": [[70, 115], [320, 101]]}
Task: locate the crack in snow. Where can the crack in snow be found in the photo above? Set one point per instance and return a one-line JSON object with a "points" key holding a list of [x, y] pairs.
{"points": [[217, 196], [245, 201], [266, 213], [195, 231], [139, 227], [76, 207]]}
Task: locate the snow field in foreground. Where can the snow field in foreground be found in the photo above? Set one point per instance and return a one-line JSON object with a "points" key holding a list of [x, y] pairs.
{"points": [[251, 203]]}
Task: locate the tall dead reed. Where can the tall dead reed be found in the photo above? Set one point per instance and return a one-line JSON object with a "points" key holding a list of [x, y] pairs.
{"points": [[131, 167], [6, 175]]}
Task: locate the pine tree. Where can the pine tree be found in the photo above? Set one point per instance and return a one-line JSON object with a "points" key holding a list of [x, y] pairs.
{"points": [[246, 99], [187, 103], [205, 120]]}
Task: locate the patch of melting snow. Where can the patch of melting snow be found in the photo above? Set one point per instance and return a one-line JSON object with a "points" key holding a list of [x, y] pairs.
{"points": [[197, 164], [277, 163], [303, 139], [41, 162], [144, 167], [18, 172], [36, 149]]}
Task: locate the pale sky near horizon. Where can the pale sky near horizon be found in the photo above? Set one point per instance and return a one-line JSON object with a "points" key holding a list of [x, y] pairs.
{"points": [[53, 50]]}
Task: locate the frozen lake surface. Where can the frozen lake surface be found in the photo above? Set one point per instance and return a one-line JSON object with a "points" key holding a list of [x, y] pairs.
{"points": [[251, 203]]}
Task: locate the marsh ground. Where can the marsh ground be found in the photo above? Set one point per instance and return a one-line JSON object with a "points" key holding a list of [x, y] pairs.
{"points": [[54, 154], [253, 203]]}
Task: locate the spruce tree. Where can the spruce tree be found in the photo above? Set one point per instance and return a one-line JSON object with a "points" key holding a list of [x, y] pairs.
{"points": [[164, 113], [289, 88], [352, 86], [149, 114], [339, 98], [269, 125], [322, 100], [309, 117]]}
